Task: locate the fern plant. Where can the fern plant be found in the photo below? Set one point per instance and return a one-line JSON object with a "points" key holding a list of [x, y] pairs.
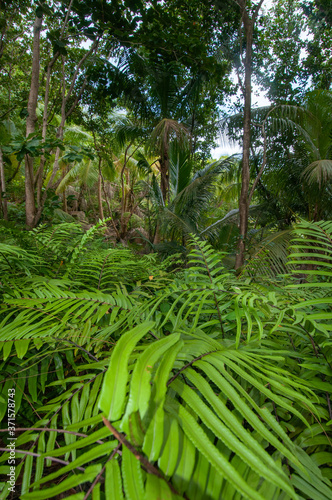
{"points": [[201, 385]]}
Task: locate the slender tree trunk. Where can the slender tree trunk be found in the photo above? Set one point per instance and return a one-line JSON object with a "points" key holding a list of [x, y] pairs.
{"points": [[64, 197], [123, 223], [64, 201], [40, 172], [248, 24], [157, 237], [30, 207], [164, 183], [100, 200], [3, 188], [109, 209], [64, 115], [243, 202], [57, 151], [102, 187], [81, 198]]}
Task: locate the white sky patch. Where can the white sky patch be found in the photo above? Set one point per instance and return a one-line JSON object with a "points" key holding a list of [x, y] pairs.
{"points": [[86, 44]]}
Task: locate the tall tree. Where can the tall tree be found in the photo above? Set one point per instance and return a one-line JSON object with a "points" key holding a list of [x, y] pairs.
{"points": [[30, 207], [248, 20]]}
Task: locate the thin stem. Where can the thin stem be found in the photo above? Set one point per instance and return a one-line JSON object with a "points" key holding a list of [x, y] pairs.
{"points": [[187, 366], [148, 466], [82, 349], [47, 429], [32, 454], [114, 452]]}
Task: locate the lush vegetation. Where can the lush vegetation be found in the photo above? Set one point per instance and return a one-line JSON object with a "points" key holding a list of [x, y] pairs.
{"points": [[196, 383], [165, 317]]}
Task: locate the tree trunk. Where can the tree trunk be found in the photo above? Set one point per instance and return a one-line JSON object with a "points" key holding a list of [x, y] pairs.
{"points": [[164, 176], [245, 176], [3, 188], [40, 172], [157, 237], [64, 201], [100, 200], [123, 222], [248, 24], [30, 207], [64, 115], [57, 151], [64, 196]]}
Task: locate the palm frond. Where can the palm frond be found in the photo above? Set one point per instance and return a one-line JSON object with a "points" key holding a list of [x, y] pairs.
{"points": [[269, 257], [319, 172]]}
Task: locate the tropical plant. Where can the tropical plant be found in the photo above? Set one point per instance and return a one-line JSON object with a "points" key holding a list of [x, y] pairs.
{"points": [[192, 385], [297, 151], [191, 195]]}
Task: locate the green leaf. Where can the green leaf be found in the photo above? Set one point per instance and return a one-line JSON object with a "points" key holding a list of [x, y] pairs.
{"points": [[21, 347], [157, 488], [26, 480], [221, 465], [87, 457], [113, 393], [67, 484], [140, 388], [7, 347], [132, 476], [113, 482], [265, 468], [169, 457], [155, 433], [185, 467]]}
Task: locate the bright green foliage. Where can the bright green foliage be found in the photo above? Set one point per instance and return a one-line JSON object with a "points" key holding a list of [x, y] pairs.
{"points": [[211, 385]]}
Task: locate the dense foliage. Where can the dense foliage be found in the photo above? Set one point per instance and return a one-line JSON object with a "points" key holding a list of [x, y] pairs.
{"points": [[190, 384], [165, 316]]}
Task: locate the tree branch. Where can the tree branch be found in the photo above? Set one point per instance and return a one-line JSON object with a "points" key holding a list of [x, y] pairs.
{"points": [[187, 366], [42, 429], [86, 55], [26, 453], [148, 466], [114, 452]]}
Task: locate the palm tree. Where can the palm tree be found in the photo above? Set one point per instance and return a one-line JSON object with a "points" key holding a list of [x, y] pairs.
{"points": [[165, 100], [122, 136], [317, 173], [191, 196], [299, 161]]}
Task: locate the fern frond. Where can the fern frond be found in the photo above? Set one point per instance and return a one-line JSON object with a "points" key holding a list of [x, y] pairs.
{"points": [[204, 386]]}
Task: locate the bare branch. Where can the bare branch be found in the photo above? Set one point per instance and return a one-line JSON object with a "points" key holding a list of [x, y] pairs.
{"points": [[77, 98], [258, 6], [60, 431], [26, 453], [84, 58], [90, 490], [66, 19]]}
